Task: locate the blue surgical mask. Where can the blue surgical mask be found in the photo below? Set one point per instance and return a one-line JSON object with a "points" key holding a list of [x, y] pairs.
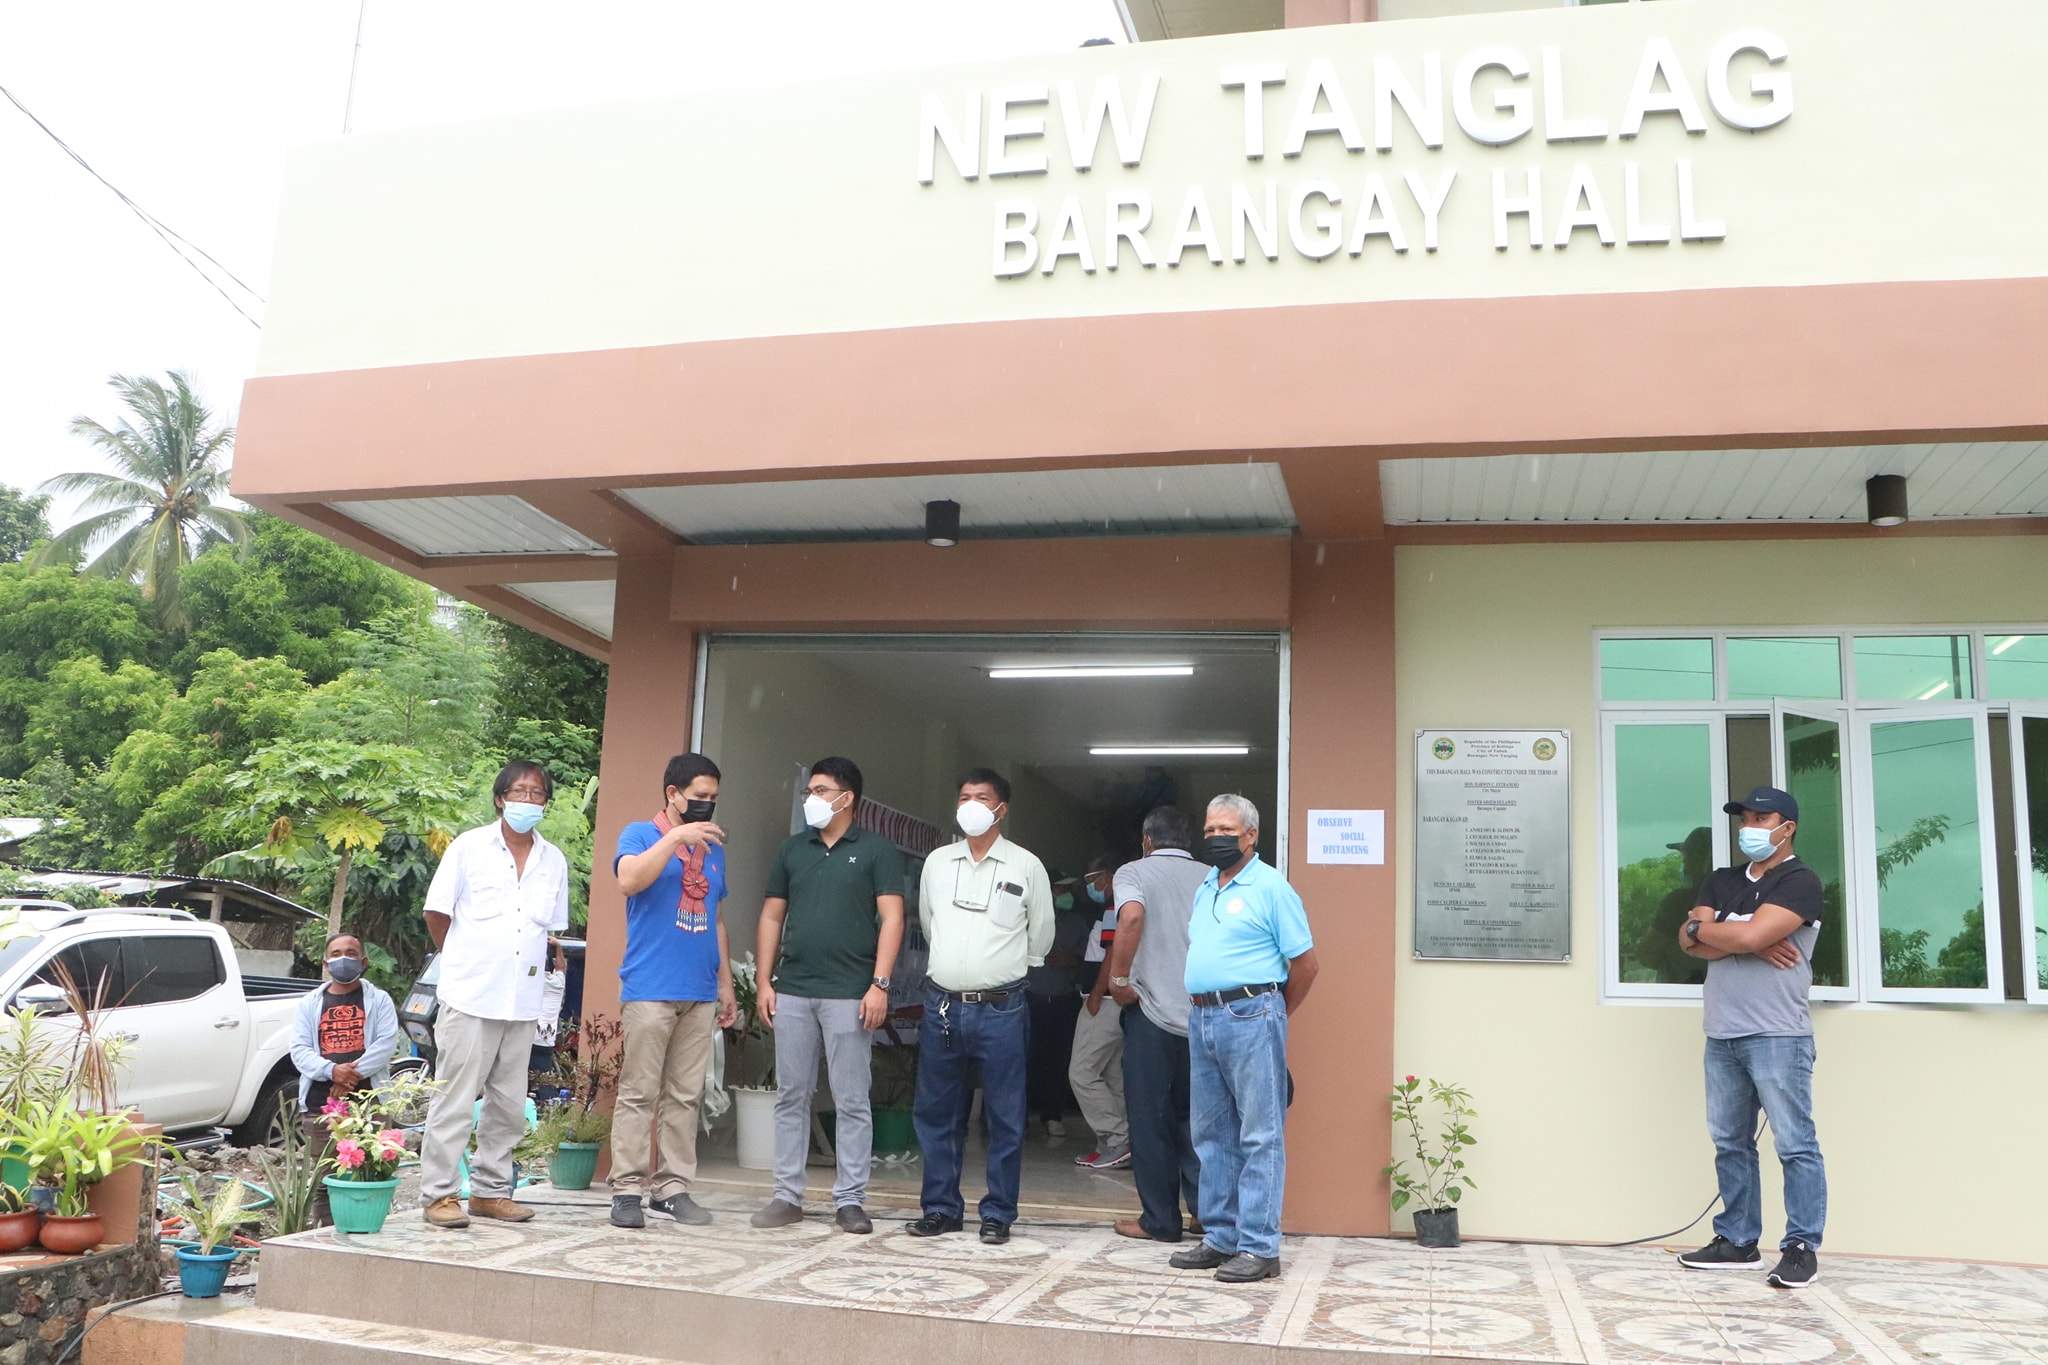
{"points": [[1097, 894], [1756, 843], [523, 815]]}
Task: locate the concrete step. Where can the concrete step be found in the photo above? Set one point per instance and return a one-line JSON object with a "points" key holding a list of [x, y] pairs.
{"points": [[266, 1336]]}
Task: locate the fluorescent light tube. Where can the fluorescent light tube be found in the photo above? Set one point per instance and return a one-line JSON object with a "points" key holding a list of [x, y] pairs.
{"points": [[1095, 671], [2007, 643], [1169, 750], [1931, 693]]}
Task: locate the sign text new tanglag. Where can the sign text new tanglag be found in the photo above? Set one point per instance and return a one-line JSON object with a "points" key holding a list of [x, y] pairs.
{"points": [[1493, 96]]}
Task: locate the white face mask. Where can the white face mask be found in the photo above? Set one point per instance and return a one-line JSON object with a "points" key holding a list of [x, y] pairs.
{"points": [[818, 812], [974, 818]]}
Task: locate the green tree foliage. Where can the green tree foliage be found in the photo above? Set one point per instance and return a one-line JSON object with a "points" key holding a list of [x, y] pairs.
{"points": [[546, 681], [291, 594], [84, 709], [23, 523], [412, 682], [50, 616], [333, 798], [147, 520]]}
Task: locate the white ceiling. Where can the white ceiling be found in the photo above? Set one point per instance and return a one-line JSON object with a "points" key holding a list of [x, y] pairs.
{"points": [[587, 603], [1820, 484], [1053, 502], [485, 525], [1152, 20]]}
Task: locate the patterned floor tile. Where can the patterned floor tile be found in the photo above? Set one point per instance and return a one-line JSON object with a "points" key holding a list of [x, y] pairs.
{"points": [[1978, 1301], [896, 1284]]}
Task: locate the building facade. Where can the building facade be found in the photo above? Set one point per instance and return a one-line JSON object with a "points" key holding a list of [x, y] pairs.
{"points": [[1572, 335]]}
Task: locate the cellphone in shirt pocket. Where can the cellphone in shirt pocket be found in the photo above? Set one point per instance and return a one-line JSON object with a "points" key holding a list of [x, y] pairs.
{"points": [[1008, 909]]}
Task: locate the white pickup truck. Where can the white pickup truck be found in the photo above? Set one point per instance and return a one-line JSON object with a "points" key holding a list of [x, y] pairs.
{"points": [[203, 1045]]}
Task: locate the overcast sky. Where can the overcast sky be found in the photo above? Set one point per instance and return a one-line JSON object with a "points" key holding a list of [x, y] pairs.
{"points": [[190, 108]]}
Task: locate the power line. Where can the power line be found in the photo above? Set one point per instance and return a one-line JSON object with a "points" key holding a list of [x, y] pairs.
{"points": [[149, 220]]}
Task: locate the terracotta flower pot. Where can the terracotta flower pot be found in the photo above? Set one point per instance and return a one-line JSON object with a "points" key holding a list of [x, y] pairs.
{"points": [[18, 1230], [70, 1236]]}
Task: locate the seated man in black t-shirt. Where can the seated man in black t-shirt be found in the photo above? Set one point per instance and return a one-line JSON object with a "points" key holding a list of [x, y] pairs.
{"points": [[1755, 927], [343, 1036]]}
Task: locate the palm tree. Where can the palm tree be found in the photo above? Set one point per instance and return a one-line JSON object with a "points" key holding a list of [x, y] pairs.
{"points": [[158, 512]]}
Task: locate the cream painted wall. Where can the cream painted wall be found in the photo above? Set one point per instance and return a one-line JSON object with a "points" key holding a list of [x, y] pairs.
{"points": [[1592, 1117], [1444, 9], [798, 210]]}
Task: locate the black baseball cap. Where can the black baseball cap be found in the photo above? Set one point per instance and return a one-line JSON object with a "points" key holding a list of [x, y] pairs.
{"points": [[1764, 801]]}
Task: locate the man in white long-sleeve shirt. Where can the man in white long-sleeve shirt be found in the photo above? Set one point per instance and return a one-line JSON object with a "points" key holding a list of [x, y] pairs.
{"points": [[986, 909]]}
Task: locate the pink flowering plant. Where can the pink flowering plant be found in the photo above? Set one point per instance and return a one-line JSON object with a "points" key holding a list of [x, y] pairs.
{"points": [[368, 1143]]}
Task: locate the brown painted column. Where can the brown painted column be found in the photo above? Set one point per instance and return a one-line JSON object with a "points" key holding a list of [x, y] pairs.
{"points": [[1341, 755], [646, 722]]}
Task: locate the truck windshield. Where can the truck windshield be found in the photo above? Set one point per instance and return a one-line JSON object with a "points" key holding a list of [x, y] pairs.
{"points": [[13, 950]]}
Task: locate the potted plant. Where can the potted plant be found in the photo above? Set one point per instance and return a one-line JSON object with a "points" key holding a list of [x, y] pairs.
{"points": [[31, 1069], [754, 1101], [292, 1172], [568, 1138], [71, 1151], [367, 1149], [1442, 1179], [209, 1222], [19, 1220], [893, 1093]]}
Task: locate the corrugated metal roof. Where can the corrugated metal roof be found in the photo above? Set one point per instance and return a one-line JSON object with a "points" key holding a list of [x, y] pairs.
{"points": [[1815, 484], [1051, 502], [586, 602], [482, 525]]}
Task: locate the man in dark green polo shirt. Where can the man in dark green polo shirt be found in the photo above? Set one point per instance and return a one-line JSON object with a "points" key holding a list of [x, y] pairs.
{"points": [[829, 933]]}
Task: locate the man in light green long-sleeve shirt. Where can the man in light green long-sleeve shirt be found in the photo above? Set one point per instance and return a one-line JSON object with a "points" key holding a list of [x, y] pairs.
{"points": [[985, 905]]}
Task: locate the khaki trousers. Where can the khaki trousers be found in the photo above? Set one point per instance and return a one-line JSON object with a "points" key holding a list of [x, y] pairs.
{"points": [[1096, 1073], [668, 1051], [475, 1059]]}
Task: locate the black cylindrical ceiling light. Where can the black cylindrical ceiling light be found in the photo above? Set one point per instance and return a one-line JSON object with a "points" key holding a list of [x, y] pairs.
{"points": [[1885, 497], [942, 523]]}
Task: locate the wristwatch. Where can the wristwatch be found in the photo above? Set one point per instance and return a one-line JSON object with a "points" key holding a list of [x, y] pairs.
{"points": [[1692, 930], [1122, 983], [882, 983]]}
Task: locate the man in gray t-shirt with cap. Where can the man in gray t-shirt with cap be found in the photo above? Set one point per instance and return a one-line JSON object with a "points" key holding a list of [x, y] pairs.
{"points": [[1755, 926]]}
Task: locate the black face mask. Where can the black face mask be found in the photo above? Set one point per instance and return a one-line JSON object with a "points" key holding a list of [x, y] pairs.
{"points": [[696, 812], [1221, 850]]}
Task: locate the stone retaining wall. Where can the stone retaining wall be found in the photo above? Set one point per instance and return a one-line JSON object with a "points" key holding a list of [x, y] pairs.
{"points": [[44, 1302]]}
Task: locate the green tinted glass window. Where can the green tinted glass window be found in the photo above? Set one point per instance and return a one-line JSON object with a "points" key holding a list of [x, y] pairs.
{"points": [[1792, 667], [2016, 667], [1930, 869], [1813, 775], [2034, 858], [1663, 799], [1657, 670], [1913, 668]]}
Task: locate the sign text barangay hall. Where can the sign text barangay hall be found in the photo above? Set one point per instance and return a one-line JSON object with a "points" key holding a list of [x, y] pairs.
{"points": [[1491, 95]]}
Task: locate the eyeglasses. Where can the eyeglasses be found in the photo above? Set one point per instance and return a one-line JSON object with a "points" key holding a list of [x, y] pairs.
{"points": [[825, 793], [534, 794]]}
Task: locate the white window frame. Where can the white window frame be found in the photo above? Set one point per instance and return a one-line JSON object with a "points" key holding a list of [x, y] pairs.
{"points": [[1993, 991], [1840, 714], [1612, 986], [1858, 898], [2032, 914]]}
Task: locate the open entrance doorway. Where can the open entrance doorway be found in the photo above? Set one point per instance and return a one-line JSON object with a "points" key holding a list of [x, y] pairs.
{"points": [[1092, 731]]}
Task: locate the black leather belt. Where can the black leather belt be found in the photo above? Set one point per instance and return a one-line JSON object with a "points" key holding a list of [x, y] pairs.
{"points": [[1214, 998], [998, 996]]}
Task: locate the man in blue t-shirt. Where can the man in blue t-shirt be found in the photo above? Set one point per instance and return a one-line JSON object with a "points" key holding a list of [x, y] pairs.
{"points": [[1250, 964], [675, 990]]}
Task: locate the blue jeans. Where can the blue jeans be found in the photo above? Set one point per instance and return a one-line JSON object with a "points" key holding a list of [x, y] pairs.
{"points": [[1776, 1074], [1238, 1083], [950, 1042], [1156, 1101]]}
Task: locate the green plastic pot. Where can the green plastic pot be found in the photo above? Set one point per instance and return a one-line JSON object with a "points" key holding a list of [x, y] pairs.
{"points": [[573, 1166], [13, 1170], [201, 1274], [894, 1132], [359, 1206]]}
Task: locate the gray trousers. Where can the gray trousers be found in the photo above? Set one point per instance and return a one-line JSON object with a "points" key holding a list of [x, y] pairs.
{"points": [[475, 1058], [805, 1030]]}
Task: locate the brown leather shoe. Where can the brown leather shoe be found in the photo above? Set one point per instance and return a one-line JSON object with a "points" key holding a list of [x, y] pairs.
{"points": [[500, 1210], [446, 1212], [1195, 1228], [1132, 1228]]}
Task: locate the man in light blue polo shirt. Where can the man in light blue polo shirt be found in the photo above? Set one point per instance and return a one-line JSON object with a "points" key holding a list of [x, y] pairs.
{"points": [[1250, 965]]}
